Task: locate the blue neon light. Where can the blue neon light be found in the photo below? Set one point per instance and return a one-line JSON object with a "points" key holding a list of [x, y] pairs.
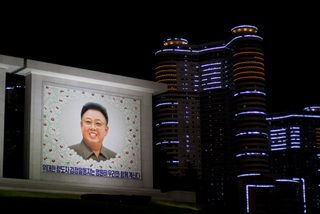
{"points": [[211, 69], [215, 87], [167, 103], [251, 132], [243, 26], [254, 36], [311, 108], [210, 64], [251, 153], [249, 174], [213, 73], [256, 186], [214, 48], [167, 122], [277, 130], [250, 92], [250, 112], [292, 115]]}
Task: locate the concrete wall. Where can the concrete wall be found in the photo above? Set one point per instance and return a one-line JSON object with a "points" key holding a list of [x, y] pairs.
{"points": [[110, 84], [37, 74]]}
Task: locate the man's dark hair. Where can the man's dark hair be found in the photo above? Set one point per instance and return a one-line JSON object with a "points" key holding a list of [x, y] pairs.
{"points": [[94, 106]]}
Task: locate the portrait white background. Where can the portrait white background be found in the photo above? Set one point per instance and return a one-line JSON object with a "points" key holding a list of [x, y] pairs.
{"points": [[70, 130]]}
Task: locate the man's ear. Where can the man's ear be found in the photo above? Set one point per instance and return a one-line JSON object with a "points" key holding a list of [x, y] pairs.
{"points": [[107, 129]]}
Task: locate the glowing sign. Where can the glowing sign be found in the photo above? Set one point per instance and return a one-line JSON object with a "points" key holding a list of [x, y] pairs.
{"points": [[67, 134]]}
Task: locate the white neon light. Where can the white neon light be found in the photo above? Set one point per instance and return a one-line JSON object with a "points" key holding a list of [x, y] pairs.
{"points": [[212, 48], [251, 132], [167, 122], [208, 49], [250, 92], [279, 133], [277, 130], [166, 142], [210, 64], [304, 193], [311, 108], [213, 83], [277, 145], [254, 36], [287, 180], [247, 192], [248, 174], [215, 87], [292, 115], [167, 103], [207, 74], [211, 69], [243, 26], [277, 149], [247, 196], [295, 147], [280, 137], [250, 112], [237, 37], [182, 50], [295, 127], [251, 153]]}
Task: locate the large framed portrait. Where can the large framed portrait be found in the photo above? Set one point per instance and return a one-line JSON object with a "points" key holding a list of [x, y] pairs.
{"points": [[89, 133]]}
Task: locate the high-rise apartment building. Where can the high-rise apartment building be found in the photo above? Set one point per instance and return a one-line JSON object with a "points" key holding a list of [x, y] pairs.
{"points": [[213, 115], [178, 110], [294, 143]]}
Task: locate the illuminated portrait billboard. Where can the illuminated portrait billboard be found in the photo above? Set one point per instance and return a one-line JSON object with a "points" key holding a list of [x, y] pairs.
{"points": [[89, 133]]}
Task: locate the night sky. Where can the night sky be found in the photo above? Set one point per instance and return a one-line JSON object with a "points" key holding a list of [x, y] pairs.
{"points": [[122, 39]]}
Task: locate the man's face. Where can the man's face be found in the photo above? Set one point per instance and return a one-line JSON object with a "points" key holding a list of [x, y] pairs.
{"points": [[94, 128]]}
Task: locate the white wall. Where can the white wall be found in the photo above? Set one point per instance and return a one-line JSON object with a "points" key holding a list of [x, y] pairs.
{"points": [[93, 81], [37, 74]]}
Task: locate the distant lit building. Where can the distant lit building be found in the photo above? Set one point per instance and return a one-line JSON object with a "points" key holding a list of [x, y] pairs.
{"points": [[294, 144], [178, 110], [276, 196], [247, 103], [213, 114]]}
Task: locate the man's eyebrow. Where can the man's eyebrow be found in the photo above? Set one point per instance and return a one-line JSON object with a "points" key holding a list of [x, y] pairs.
{"points": [[91, 119]]}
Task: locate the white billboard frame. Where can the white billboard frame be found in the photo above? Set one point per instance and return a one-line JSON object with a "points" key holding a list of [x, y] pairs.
{"points": [[38, 75]]}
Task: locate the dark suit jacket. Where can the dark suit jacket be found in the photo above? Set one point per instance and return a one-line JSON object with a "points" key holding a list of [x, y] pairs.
{"points": [[86, 152]]}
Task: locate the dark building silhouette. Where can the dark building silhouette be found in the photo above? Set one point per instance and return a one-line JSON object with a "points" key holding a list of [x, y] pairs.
{"points": [[294, 143], [14, 126]]}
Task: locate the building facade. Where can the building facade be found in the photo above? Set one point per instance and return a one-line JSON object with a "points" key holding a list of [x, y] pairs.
{"points": [[213, 115], [294, 144], [275, 195]]}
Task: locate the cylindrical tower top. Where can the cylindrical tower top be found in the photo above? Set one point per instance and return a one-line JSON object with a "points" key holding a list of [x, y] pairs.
{"points": [[175, 41], [244, 29]]}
